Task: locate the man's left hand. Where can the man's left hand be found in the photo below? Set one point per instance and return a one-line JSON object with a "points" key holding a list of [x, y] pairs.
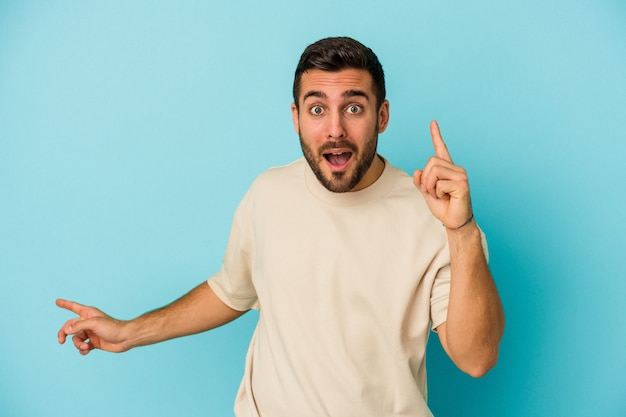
{"points": [[444, 185]]}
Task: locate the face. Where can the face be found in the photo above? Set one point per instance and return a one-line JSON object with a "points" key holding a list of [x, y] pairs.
{"points": [[338, 123]]}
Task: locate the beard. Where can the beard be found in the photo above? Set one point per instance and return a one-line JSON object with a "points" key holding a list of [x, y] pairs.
{"points": [[341, 181]]}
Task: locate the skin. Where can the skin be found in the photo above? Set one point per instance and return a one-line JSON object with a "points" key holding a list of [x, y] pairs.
{"points": [[475, 323], [197, 311], [337, 113]]}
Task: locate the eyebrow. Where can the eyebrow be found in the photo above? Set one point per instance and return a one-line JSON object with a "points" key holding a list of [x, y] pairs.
{"points": [[346, 94]]}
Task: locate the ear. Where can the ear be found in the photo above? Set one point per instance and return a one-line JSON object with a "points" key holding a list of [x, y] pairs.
{"points": [[294, 116], [383, 116]]}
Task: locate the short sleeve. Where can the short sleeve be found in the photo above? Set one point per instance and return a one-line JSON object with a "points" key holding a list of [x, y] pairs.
{"points": [[233, 283], [439, 296], [441, 290]]}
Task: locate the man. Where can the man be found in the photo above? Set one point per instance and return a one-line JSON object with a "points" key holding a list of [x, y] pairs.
{"points": [[346, 259]]}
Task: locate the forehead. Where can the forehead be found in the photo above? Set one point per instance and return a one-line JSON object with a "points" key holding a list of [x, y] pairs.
{"points": [[336, 83]]}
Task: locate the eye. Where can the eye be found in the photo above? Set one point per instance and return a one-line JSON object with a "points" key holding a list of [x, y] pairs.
{"points": [[354, 109], [316, 110]]}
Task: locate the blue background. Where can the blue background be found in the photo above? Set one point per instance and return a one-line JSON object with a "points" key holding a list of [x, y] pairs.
{"points": [[130, 130]]}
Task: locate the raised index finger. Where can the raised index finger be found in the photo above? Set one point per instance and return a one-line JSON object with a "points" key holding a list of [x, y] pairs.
{"points": [[441, 150]]}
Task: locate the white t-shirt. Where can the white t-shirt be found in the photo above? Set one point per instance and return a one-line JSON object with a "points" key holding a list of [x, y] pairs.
{"points": [[348, 286]]}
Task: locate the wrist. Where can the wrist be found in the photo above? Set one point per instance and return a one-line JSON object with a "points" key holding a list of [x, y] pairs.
{"points": [[130, 334], [469, 220], [467, 235]]}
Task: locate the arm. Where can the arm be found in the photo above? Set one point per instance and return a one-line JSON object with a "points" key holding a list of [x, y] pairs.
{"points": [[475, 323], [197, 311]]}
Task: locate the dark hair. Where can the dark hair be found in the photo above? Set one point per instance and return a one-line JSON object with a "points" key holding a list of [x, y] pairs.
{"points": [[336, 54]]}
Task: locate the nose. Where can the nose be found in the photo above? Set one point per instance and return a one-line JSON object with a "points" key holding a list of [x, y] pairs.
{"points": [[336, 128]]}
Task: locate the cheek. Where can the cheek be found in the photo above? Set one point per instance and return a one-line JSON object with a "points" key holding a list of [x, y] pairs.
{"points": [[364, 131], [312, 132]]}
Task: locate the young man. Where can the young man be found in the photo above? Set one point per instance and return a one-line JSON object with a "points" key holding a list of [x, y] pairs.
{"points": [[347, 260]]}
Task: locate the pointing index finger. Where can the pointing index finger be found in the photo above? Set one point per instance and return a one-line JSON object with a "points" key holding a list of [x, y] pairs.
{"points": [[441, 150], [69, 305]]}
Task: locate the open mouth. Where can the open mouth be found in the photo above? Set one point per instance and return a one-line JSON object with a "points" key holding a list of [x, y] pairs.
{"points": [[338, 160]]}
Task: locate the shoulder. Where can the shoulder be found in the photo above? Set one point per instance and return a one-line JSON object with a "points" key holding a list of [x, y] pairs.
{"points": [[280, 175], [275, 182], [407, 202], [402, 180], [400, 185]]}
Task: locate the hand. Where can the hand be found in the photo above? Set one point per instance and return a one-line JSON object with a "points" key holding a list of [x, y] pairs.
{"points": [[93, 329], [444, 185]]}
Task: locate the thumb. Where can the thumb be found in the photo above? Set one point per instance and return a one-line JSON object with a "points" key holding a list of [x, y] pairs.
{"points": [[78, 325], [417, 179]]}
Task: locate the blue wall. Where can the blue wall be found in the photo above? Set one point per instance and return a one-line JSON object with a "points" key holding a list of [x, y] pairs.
{"points": [[129, 132]]}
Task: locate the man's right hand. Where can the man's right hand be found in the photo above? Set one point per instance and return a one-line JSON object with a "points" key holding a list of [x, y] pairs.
{"points": [[93, 329], [197, 311]]}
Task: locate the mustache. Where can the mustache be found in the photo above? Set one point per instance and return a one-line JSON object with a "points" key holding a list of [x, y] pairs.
{"points": [[327, 146]]}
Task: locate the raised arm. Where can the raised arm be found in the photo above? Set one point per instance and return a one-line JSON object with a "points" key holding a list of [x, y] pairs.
{"points": [[475, 322], [197, 311]]}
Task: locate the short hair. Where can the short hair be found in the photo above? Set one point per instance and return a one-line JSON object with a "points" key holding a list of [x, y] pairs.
{"points": [[336, 54]]}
